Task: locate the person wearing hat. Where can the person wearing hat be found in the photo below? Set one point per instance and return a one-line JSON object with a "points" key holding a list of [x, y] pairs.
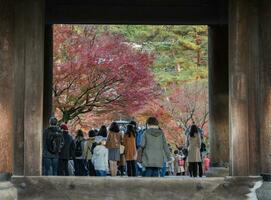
{"points": [[65, 153], [87, 154], [100, 157]]}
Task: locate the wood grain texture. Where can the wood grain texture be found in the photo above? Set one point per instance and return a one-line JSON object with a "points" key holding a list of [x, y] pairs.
{"points": [[6, 85], [19, 77], [265, 87], [244, 88], [218, 95], [34, 71]]}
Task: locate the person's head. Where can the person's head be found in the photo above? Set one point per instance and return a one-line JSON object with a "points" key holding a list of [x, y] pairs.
{"points": [[100, 140], [134, 124], [130, 130], [114, 127], [79, 134], [103, 131], [193, 130], [176, 152], [64, 128], [192, 122], [53, 121], [103, 142], [91, 133], [152, 121]]}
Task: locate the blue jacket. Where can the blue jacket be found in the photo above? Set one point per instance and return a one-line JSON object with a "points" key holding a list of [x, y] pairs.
{"points": [[139, 135]]}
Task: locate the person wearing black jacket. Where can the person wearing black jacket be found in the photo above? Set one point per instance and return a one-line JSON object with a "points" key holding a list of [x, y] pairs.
{"points": [[51, 146], [65, 153]]}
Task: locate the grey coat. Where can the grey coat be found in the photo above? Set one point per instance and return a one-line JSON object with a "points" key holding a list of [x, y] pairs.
{"points": [[155, 148]]}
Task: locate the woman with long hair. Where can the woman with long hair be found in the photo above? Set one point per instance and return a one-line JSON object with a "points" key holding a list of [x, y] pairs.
{"points": [[193, 146], [113, 145], [79, 164], [103, 131], [130, 150]]}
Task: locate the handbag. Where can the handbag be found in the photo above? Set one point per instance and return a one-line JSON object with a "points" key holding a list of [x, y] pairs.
{"points": [[122, 148]]}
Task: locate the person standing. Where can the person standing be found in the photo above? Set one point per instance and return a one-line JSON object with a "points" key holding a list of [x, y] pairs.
{"points": [[193, 144], [113, 145], [87, 154], [52, 144], [130, 150], [100, 157], [103, 131], [155, 148], [206, 163], [122, 162], [177, 163], [79, 164], [64, 154]]}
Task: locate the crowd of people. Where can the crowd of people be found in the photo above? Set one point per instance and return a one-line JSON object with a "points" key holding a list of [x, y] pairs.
{"points": [[110, 151]]}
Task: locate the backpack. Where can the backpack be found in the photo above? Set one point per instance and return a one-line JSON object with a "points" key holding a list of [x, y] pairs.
{"points": [[54, 142], [202, 147], [78, 148], [185, 152]]}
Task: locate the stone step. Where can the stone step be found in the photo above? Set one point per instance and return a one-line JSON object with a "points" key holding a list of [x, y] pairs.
{"points": [[108, 188], [7, 191]]}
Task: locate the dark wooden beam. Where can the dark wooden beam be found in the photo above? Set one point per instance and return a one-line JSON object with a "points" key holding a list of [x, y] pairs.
{"points": [[48, 75], [137, 12]]}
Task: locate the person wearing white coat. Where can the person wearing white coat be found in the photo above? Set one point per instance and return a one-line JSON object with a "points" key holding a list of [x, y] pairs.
{"points": [[100, 157], [194, 157]]}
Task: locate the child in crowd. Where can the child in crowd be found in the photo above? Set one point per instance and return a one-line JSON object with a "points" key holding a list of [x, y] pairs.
{"points": [[206, 163], [182, 165], [100, 157], [170, 166], [177, 168]]}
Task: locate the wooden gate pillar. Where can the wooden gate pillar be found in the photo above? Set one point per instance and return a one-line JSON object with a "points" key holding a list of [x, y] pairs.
{"points": [[265, 88], [244, 87], [29, 65], [6, 85], [218, 95]]}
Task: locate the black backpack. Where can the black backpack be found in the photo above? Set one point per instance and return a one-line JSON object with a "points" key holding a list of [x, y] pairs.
{"points": [[202, 147], [54, 141], [78, 148]]}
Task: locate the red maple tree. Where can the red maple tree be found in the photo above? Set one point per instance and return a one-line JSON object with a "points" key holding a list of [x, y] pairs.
{"points": [[98, 72], [189, 103], [167, 123]]}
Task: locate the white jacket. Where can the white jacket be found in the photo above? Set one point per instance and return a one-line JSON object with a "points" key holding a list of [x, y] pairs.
{"points": [[100, 158]]}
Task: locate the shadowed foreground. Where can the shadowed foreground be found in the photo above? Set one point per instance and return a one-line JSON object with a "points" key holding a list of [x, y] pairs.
{"points": [[80, 188]]}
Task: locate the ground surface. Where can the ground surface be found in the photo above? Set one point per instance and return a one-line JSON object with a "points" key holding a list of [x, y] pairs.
{"points": [[264, 192], [81, 188]]}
